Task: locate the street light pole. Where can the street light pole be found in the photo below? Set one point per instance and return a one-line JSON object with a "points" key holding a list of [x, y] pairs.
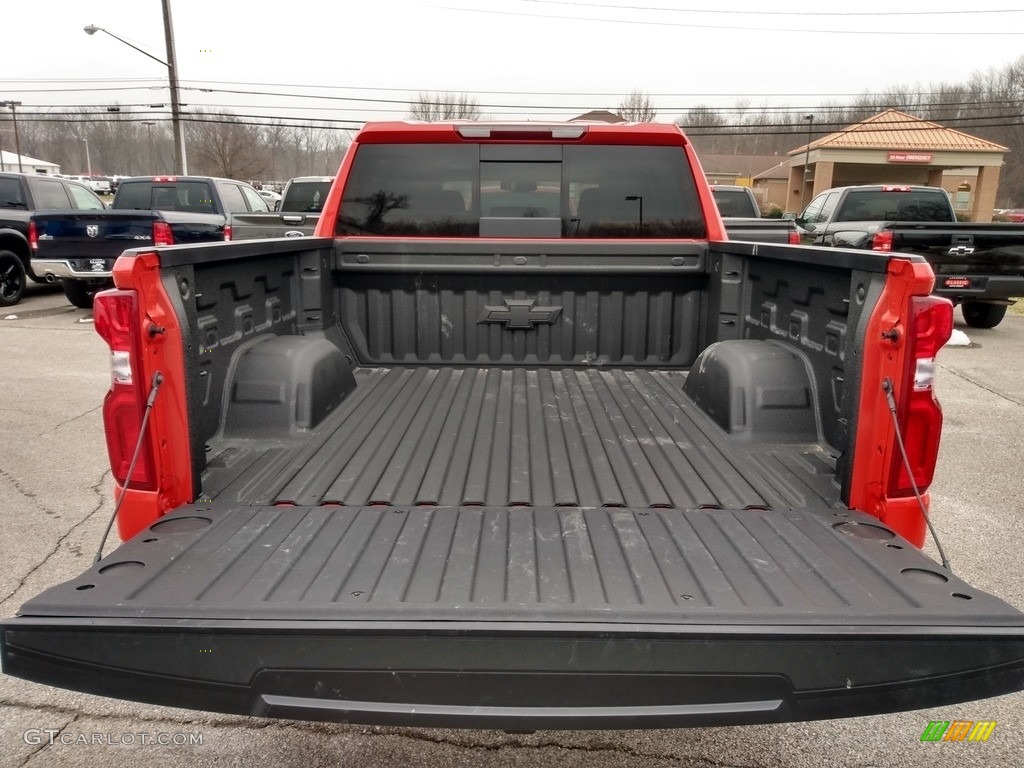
{"points": [[149, 135], [14, 117], [88, 162], [180, 160], [807, 160]]}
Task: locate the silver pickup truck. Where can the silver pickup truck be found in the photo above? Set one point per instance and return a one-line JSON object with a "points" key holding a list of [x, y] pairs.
{"points": [[296, 216], [742, 218]]}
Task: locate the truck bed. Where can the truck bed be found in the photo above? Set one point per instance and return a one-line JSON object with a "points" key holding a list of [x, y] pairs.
{"points": [[419, 501], [520, 437]]}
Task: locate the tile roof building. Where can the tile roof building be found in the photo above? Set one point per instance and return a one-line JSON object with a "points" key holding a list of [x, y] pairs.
{"points": [[896, 148]]}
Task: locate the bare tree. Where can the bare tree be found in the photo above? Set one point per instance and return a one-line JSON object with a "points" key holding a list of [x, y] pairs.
{"points": [[637, 107], [225, 146], [432, 107]]}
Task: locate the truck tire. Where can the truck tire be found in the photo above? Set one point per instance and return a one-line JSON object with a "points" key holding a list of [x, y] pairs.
{"points": [[79, 293], [12, 279], [978, 314]]}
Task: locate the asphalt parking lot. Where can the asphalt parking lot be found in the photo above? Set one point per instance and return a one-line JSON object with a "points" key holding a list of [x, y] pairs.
{"points": [[55, 500]]}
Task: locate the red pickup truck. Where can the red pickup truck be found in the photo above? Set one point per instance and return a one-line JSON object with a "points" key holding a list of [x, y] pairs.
{"points": [[521, 440]]}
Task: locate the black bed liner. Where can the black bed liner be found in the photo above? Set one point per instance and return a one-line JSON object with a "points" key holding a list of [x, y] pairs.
{"points": [[534, 437], [521, 618], [522, 564]]}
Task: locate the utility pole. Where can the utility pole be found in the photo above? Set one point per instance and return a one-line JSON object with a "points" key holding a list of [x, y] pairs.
{"points": [[14, 117], [172, 73]]}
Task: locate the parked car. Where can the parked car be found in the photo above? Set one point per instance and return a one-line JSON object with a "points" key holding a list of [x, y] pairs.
{"points": [[98, 184], [979, 266], [80, 249], [296, 215], [742, 218], [1015, 215], [21, 195], [273, 198], [735, 202]]}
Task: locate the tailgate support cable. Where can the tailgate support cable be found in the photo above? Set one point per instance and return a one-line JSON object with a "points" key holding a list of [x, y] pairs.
{"points": [[158, 379], [887, 385]]}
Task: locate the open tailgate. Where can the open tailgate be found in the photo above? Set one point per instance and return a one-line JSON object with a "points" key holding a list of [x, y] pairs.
{"points": [[520, 618]]}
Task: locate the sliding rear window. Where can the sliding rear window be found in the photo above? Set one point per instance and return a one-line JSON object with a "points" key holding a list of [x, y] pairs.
{"points": [[520, 190], [189, 196], [896, 205]]}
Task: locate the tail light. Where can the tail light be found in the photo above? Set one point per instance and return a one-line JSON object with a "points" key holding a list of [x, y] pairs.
{"points": [[116, 319], [33, 236], [920, 417], [162, 234], [882, 241], [794, 238], [227, 232]]}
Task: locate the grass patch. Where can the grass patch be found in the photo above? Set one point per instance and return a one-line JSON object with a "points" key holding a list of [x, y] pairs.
{"points": [[1018, 308]]}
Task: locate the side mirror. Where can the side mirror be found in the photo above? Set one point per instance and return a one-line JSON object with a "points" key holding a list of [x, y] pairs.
{"points": [[789, 216]]}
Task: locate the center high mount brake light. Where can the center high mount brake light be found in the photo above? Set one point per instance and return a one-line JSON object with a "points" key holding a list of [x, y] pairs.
{"points": [[521, 131]]}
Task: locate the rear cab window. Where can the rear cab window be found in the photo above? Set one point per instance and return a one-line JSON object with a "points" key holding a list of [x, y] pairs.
{"points": [[734, 203], [528, 189], [155, 195], [896, 204], [305, 196]]}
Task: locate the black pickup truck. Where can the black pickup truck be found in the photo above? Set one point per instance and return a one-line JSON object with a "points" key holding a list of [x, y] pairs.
{"points": [[978, 266], [21, 195], [297, 215], [79, 247]]}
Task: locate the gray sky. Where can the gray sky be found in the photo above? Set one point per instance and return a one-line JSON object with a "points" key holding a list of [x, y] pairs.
{"points": [[526, 59]]}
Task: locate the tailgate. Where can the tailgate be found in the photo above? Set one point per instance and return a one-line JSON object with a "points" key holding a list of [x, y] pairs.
{"points": [[965, 247], [520, 618], [92, 234], [251, 226]]}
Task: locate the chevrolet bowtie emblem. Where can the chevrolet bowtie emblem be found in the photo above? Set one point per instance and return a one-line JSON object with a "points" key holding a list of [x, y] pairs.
{"points": [[519, 314]]}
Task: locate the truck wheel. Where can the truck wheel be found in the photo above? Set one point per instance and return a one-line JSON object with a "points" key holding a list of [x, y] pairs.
{"points": [[12, 279], [977, 314], [79, 293]]}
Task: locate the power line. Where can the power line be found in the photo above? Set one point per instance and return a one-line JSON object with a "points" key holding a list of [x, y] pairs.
{"points": [[734, 12], [735, 28], [202, 85], [738, 110], [733, 129]]}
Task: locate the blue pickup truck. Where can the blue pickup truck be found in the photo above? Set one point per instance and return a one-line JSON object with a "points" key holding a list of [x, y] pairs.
{"points": [[79, 247]]}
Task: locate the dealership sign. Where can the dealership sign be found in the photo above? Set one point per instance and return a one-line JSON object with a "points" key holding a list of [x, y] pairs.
{"points": [[911, 157]]}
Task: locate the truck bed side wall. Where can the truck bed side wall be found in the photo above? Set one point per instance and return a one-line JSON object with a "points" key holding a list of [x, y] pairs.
{"points": [[817, 306], [248, 292]]}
